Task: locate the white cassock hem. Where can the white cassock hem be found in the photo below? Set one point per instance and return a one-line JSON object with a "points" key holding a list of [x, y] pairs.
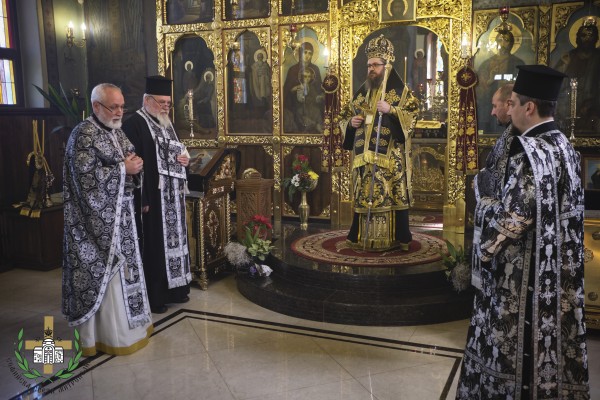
{"points": [[108, 330]]}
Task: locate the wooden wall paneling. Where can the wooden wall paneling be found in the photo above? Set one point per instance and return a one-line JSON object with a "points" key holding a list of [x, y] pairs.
{"points": [[17, 142], [255, 156]]}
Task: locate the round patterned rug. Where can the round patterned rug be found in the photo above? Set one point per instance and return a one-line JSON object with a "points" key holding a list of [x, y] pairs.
{"points": [[331, 247]]}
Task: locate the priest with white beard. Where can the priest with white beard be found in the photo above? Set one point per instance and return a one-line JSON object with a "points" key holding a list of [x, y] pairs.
{"points": [[160, 202], [104, 293]]}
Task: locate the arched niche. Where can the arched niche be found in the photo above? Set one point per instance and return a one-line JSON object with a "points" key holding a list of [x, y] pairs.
{"points": [[304, 65], [421, 60], [448, 21], [194, 88], [249, 90]]}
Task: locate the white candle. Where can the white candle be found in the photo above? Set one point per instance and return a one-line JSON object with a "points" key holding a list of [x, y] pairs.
{"points": [[190, 96], [573, 97], [464, 48], [70, 29]]}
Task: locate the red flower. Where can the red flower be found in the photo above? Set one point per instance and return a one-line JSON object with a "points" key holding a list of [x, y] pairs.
{"points": [[259, 225], [261, 219]]}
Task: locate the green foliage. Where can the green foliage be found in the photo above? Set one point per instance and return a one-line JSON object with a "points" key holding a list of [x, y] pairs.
{"points": [[453, 257], [69, 108], [255, 245]]}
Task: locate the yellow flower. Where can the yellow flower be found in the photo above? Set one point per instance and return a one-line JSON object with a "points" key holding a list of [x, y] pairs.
{"points": [[313, 175]]}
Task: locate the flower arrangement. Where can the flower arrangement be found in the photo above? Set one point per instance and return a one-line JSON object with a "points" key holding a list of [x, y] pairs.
{"points": [[256, 237], [254, 246], [458, 269], [304, 179]]}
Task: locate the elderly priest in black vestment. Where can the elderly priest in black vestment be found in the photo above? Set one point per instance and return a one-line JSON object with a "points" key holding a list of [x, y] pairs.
{"points": [[161, 199]]}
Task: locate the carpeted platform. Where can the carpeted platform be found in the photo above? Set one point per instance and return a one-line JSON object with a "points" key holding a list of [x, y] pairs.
{"points": [[365, 292], [426, 219], [331, 247]]}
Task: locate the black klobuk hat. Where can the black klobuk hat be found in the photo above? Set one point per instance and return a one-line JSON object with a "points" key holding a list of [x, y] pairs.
{"points": [[538, 82], [158, 85]]}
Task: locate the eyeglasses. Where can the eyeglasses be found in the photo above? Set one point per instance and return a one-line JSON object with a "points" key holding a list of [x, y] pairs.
{"points": [[162, 103], [114, 109], [369, 66]]}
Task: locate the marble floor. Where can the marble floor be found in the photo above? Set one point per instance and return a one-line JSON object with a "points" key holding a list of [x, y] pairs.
{"points": [[221, 346]]}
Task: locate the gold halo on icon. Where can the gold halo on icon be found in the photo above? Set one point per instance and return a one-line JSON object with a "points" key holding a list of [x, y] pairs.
{"points": [[207, 74], [516, 34], [315, 45], [575, 28], [404, 7], [260, 51], [191, 64]]}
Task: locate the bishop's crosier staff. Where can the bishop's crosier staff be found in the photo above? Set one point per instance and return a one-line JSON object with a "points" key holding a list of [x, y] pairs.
{"points": [[388, 68]]}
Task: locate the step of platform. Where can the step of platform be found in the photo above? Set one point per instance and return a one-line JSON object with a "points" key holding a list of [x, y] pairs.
{"points": [[378, 308], [372, 295]]}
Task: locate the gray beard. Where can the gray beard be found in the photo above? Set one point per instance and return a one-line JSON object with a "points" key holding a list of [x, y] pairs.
{"points": [[115, 125], [110, 124], [163, 120]]}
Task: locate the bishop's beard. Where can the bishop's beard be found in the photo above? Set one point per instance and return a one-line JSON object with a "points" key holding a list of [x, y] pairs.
{"points": [[373, 81]]}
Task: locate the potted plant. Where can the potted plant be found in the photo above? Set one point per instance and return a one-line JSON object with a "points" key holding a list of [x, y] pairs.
{"points": [[249, 255], [458, 269]]}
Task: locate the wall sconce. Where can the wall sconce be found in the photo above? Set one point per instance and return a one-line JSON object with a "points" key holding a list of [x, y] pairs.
{"points": [[71, 38]]}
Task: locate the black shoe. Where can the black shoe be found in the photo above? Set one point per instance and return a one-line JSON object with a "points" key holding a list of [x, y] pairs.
{"points": [[159, 309], [182, 300]]}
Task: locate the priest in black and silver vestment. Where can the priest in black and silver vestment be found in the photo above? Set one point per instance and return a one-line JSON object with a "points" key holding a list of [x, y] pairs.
{"points": [[104, 293], [527, 339], [161, 199]]}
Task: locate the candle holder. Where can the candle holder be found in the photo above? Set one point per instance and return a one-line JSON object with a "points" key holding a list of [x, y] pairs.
{"points": [[189, 107], [573, 100], [71, 37]]}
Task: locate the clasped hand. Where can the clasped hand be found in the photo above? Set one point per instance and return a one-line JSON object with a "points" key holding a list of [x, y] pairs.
{"points": [[383, 107], [183, 159], [133, 164]]}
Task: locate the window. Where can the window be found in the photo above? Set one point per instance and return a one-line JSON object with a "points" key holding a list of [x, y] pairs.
{"points": [[10, 63]]}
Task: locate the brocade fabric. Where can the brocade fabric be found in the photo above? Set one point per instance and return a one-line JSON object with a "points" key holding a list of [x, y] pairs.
{"points": [[529, 239], [100, 238]]}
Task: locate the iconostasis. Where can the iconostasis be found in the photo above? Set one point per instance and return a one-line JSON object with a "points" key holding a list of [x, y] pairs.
{"points": [[266, 77]]}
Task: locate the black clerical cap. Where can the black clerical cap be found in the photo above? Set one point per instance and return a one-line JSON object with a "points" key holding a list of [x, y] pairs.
{"points": [[158, 85], [538, 82]]}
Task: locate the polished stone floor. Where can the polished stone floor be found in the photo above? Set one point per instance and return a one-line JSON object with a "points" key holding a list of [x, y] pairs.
{"points": [[221, 346]]}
